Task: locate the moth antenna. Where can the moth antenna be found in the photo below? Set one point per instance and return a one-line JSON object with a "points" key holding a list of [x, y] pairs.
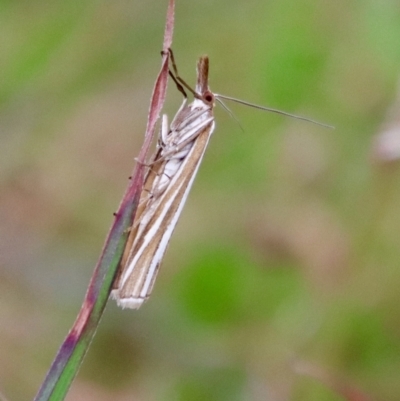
{"points": [[276, 111], [230, 112]]}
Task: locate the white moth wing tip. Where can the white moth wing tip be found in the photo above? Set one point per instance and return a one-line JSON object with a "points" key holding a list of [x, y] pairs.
{"points": [[130, 303]]}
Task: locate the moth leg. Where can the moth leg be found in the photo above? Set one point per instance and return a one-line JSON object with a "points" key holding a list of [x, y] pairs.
{"points": [[143, 163], [164, 130], [128, 230], [178, 85], [177, 79]]}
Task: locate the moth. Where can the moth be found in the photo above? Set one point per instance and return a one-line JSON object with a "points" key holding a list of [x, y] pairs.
{"points": [[169, 178]]}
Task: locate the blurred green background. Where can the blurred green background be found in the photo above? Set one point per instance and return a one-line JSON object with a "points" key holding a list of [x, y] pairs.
{"points": [[282, 279]]}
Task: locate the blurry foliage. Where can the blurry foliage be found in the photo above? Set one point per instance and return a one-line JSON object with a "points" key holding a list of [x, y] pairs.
{"points": [[288, 249]]}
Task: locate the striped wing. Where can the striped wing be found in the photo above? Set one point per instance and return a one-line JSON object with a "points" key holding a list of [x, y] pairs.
{"points": [[166, 188]]}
